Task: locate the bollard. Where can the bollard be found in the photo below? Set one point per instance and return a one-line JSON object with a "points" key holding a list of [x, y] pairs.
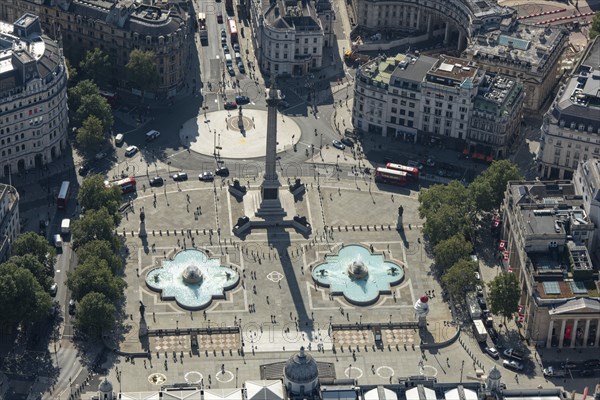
{"points": [[174, 232], [160, 232], [153, 232], [132, 234]]}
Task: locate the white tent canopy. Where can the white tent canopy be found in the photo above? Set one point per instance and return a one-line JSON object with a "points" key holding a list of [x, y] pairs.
{"points": [[223, 394], [454, 394], [264, 390], [420, 393], [381, 393]]}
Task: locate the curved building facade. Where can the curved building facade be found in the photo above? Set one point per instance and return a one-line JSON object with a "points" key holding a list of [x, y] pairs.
{"points": [[117, 28], [33, 97]]}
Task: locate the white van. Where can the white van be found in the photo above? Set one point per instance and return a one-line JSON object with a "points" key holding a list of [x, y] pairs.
{"points": [[119, 139], [228, 60], [65, 226], [57, 241], [238, 57]]}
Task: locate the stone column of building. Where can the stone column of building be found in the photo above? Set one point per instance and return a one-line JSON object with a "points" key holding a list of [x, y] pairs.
{"points": [[586, 332], [447, 33], [562, 333], [596, 342], [549, 339], [429, 26], [461, 37], [412, 18], [574, 333], [418, 18]]}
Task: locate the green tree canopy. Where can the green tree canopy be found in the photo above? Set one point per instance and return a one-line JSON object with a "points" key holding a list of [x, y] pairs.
{"points": [[503, 295], [104, 251], [460, 279], [93, 195], [94, 275], [78, 92], [22, 298], [446, 222], [96, 66], [97, 106], [90, 137], [94, 225], [487, 190], [95, 314], [595, 26], [71, 71], [453, 194], [141, 70], [37, 246], [448, 252], [31, 263]]}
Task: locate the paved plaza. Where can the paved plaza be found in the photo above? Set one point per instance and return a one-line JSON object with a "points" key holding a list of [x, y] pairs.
{"points": [[277, 305]]}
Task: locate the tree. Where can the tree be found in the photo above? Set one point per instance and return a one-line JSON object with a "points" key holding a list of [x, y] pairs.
{"points": [[22, 299], [97, 106], [37, 246], [445, 222], [453, 194], [96, 66], [141, 69], [504, 294], [85, 100], [94, 225], [93, 195], [460, 279], [38, 270], [71, 71], [95, 314], [448, 252], [595, 26], [487, 190], [90, 137], [94, 275], [102, 250]]}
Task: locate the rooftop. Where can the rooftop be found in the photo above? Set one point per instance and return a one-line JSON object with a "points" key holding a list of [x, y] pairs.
{"points": [[286, 14], [578, 105], [454, 68], [525, 46], [497, 93]]}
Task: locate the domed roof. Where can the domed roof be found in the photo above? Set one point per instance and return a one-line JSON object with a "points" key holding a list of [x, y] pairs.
{"points": [[301, 368], [105, 386], [495, 374], [192, 274]]}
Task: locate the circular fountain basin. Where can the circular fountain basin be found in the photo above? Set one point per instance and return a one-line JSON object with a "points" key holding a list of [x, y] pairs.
{"points": [[357, 274], [192, 279]]}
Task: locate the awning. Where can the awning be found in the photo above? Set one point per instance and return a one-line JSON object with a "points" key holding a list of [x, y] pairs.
{"points": [[223, 394], [264, 390]]}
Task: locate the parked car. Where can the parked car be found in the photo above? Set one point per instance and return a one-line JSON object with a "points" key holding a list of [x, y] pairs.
{"points": [[206, 176], [53, 289], [236, 47], [513, 353], [338, 145], [592, 363], [180, 176], [222, 171], [151, 135], [230, 105], [512, 364], [223, 33], [240, 66], [479, 290], [156, 181], [220, 17], [130, 151], [230, 70], [223, 41], [242, 100], [550, 371], [72, 307], [492, 352], [225, 48], [493, 335], [83, 169], [347, 141]]}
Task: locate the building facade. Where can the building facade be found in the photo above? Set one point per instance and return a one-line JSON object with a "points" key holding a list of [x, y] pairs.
{"points": [[439, 99], [548, 237], [116, 28], [587, 185], [454, 20], [528, 53], [289, 36], [10, 225], [571, 127], [33, 97]]}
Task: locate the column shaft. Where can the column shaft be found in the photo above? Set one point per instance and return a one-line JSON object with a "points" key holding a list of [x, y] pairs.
{"points": [[562, 333], [549, 339], [596, 342], [574, 333], [586, 332], [447, 33]]}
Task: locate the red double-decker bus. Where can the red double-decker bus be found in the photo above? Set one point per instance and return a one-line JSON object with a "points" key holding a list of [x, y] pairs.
{"points": [[412, 172], [391, 176], [127, 185], [63, 195], [233, 32]]}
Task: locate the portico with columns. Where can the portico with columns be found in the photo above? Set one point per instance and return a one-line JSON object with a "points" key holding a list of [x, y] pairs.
{"points": [[574, 324]]}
